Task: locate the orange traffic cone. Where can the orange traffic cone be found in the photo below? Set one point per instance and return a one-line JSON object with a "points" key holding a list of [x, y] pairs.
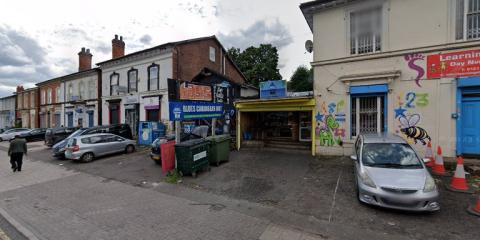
{"points": [[475, 210], [438, 168], [459, 183], [429, 155]]}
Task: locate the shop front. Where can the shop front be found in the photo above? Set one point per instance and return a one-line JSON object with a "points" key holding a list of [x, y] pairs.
{"points": [[276, 122]]}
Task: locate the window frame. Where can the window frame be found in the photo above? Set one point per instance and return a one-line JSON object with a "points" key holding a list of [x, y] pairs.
{"points": [[383, 23], [149, 76], [81, 90], [70, 91], [118, 82], [57, 95], [210, 53], [32, 99], [136, 80], [464, 20]]}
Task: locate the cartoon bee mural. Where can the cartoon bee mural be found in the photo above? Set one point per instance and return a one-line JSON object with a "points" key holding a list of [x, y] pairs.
{"points": [[410, 129]]}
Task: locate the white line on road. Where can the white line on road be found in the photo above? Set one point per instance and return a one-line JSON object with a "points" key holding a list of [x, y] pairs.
{"points": [[334, 195]]}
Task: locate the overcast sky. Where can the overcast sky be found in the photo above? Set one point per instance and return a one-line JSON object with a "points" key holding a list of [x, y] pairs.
{"points": [[39, 40]]}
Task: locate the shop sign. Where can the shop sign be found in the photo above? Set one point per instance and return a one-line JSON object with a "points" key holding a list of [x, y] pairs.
{"points": [[456, 64], [180, 111], [195, 92], [273, 89], [131, 99]]}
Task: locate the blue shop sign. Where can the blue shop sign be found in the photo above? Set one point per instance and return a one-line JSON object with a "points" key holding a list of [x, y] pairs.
{"points": [[195, 110], [273, 89]]}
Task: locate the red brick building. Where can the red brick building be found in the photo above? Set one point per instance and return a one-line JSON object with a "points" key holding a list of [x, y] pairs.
{"points": [[27, 107], [50, 107]]}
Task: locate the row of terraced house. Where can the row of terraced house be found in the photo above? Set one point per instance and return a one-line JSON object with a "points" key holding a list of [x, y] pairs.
{"points": [[124, 89]]}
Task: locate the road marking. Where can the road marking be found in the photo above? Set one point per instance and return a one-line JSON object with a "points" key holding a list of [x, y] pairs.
{"points": [[334, 196]]}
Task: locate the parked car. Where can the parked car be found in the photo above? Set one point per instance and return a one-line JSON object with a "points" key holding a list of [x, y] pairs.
{"points": [[389, 173], [122, 130], [197, 132], [58, 150], [88, 147], [11, 133], [55, 135], [37, 134]]}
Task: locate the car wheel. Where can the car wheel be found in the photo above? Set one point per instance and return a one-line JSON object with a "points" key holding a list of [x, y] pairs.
{"points": [[87, 157], [130, 149]]}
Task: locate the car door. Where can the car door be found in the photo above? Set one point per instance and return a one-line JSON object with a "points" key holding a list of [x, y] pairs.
{"points": [[358, 148], [98, 145]]}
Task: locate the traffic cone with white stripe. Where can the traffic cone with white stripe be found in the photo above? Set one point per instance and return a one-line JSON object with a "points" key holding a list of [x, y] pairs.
{"points": [[459, 182], [475, 210], [438, 168], [429, 155]]}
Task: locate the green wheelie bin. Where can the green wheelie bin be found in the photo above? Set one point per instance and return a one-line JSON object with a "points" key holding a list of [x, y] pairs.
{"points": [[192, 156], [219, 150]]}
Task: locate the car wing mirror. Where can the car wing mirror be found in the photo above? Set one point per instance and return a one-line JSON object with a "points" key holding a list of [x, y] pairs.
{"points": [[353, 157], [426, 160]]}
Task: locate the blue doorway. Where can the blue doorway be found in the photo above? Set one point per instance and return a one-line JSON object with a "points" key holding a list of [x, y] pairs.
{"points": [[468, 124]]}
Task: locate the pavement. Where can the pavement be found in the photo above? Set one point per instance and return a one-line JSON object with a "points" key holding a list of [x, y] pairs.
{"points": [[257, 195]]}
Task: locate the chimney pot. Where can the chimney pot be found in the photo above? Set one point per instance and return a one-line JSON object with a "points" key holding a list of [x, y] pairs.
{"points": [[83, 49], [116, 36], [88, 51], [121, 38]]}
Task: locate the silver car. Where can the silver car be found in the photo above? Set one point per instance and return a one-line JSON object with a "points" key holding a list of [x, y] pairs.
{"points": [[11, 133], [389, 173], [88, 147]]}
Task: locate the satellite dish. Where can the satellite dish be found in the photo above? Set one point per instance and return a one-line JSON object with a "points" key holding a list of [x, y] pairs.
{"points": [[309, 46]]}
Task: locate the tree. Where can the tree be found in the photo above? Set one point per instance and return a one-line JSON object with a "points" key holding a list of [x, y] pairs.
{"points": [[301, 80], [257, 63]]}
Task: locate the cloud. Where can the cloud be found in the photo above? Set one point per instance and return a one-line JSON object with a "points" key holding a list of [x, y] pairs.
{"points": [[146, 39], [6, 91], [261, 31]]}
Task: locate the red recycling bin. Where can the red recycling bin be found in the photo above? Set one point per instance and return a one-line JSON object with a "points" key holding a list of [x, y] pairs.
{"points": [[168, 156]]}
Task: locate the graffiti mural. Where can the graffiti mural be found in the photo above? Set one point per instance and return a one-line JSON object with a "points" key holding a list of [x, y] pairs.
{"points": [[413, 64], [330, 119], [409, 118]]}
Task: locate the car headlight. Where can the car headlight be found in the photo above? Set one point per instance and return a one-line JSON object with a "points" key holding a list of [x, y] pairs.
{"points": [[366, 179], [429, 184]]}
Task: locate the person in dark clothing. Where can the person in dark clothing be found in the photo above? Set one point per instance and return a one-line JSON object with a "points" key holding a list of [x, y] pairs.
{"points": [[18, 147]]}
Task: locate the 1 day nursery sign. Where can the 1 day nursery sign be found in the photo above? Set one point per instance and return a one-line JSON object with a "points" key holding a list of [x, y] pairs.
{"points": [[195, 110], [456, 64]]}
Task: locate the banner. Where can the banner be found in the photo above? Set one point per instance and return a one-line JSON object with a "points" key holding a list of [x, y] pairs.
{"points": [[194, 92], [456, 64], [180, 111]]}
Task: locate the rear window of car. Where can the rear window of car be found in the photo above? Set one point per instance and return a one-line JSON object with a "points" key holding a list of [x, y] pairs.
{"points": [[72, 142]]}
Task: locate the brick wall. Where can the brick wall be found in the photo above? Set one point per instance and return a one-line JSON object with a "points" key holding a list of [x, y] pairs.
{"points": [[190, 58]]}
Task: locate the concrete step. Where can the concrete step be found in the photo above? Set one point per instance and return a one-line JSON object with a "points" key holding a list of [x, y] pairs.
{"points": [[288, 146]]}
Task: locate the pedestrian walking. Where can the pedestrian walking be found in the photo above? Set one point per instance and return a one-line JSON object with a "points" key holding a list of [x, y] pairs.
{"points": [[18, 147]]}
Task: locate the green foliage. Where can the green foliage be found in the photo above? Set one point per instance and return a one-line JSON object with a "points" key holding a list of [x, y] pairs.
{"points": [[257, 63], [174, 177], [301, 80]]}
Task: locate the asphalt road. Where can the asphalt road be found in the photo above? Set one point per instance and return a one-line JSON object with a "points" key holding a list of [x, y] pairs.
{"points": [[318, 188]]}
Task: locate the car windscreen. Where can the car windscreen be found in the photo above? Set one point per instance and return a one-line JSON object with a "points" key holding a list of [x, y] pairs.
{"points": [[75, 134], [389, 155]]}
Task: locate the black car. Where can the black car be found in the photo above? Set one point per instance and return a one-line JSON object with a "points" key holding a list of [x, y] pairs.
{"points": [[37, 134], [122, 130], [55, 135]]}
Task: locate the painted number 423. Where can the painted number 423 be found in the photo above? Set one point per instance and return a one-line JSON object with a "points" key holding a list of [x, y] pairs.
{"points": [[416, 99]]}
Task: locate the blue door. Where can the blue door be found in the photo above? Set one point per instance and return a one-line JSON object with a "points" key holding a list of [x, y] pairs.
{"points": [[90, 119], [70, 119], [470, 140]]}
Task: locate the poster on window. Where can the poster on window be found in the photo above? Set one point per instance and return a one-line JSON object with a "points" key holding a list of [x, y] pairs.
{"points": [[455, 64], [195, 92]]}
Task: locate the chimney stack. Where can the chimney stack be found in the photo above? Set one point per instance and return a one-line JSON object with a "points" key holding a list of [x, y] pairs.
{"points": [[84, 60], [19, 89], [118, 47]]}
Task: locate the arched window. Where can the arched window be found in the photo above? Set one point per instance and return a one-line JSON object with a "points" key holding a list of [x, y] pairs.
{"points": [[132, 80], [70, 92], [153, 77], [49, 96], [114, 78]]}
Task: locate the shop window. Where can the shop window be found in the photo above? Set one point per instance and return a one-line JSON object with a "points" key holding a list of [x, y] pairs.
{"points": [[153, 77], [467, 19], [368, 114], [132, 80], [366, 30]]}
